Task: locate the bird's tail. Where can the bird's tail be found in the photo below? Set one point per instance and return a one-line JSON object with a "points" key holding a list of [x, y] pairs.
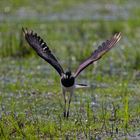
{"points": [[82, 86]]}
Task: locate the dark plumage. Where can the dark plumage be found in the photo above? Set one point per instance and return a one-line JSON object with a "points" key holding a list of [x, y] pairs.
{"points": [[67, 79], [42, 49], [98, 53]]}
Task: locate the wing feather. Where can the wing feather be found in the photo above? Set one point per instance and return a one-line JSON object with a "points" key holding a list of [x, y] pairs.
{"points": [[98, 53], [42, 49]]}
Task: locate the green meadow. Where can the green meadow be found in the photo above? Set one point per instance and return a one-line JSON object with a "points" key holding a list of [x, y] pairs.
{"points": [[31, 101]]}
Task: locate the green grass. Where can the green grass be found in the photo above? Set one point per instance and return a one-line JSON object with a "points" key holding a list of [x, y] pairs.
{"points": [[31, 102]]}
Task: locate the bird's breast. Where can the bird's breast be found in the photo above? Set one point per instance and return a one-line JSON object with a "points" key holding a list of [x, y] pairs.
{"points": [[68, 82]]}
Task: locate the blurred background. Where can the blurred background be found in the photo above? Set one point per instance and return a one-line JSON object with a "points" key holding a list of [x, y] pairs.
{"points": [[29, 87]]}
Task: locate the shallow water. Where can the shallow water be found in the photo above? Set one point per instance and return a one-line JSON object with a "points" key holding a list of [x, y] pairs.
{"points": [[83, 11]]}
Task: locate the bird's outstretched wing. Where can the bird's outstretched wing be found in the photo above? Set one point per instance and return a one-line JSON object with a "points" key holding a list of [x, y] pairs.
{"points": [[98, 53], [42, 49]]}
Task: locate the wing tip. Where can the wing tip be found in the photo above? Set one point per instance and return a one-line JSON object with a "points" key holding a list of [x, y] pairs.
{"points": [[118, 36], [24, 30]]}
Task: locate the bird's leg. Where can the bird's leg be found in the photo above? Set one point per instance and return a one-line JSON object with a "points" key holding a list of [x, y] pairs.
{"points": [[71, 93], [64, 95]]}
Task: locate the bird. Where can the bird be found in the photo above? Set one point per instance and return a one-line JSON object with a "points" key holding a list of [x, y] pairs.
{"points": [[67, 79]]}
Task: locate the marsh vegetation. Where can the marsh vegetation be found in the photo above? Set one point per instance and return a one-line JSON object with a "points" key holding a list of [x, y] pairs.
{"points": [[31, 102]]}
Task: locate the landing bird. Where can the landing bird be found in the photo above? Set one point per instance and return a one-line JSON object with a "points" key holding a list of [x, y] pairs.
{"points": [[67, 79]]}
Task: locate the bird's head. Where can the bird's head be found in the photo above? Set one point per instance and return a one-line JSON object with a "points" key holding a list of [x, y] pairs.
{"points": [[67, 74]]}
